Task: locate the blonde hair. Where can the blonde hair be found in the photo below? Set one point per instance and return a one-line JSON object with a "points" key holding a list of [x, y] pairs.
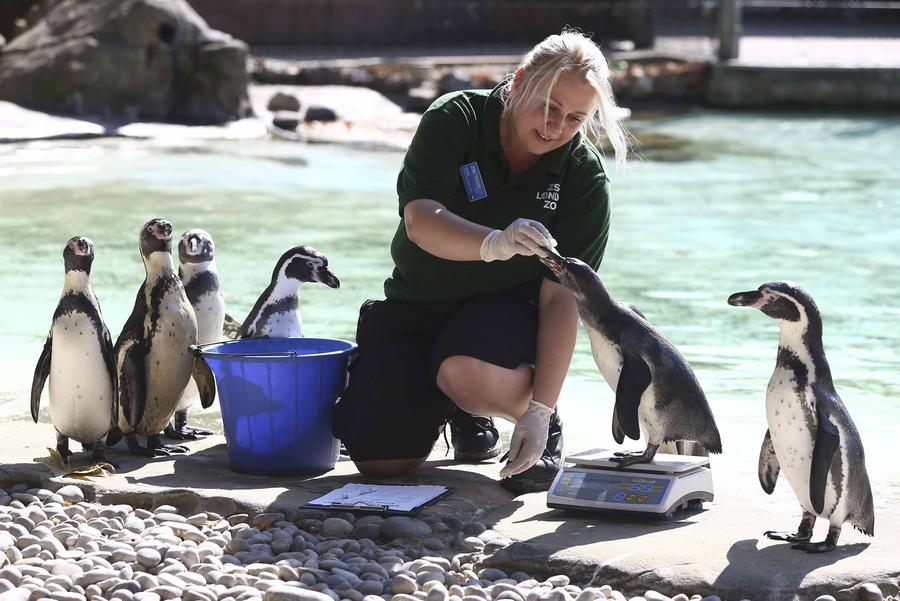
{"points": [[569, 52]]}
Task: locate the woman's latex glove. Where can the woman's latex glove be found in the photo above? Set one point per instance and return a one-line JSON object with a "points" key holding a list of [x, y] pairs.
{"points": [[529, 439], [521, 237]]}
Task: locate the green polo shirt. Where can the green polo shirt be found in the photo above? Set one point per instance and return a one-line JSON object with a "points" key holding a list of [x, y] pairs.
{"points": [[566, 190]]}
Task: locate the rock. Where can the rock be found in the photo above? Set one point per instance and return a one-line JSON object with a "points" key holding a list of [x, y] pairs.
{"points": [[403, 584], [320, 113], [71, 494], [286, 120], [281, 101], [454, 82], [869, 592], [405, 527], [335, 527], [132, 59], [148, 557]]}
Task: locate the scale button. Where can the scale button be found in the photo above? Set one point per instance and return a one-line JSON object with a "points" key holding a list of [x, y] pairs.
{"points": [[630, 497], [642, 498], [648, 487], [619, 496], [635, 487]]}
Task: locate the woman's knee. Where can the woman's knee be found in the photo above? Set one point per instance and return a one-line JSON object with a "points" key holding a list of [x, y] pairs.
{"points": [[388, 468], [483, 388]]}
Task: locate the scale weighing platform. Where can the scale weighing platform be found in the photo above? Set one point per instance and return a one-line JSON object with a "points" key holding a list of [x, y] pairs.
{"points": [[669, 483]]}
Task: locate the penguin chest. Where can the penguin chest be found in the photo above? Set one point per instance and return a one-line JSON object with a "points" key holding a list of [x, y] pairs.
{"points": [[210, 312], [169, 361], [607, 357], [792, 425], [282, 324], [81, 395]]}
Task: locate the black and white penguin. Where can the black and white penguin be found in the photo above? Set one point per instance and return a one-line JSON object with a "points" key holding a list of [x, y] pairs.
{"points": [[811, 437], [78, 359], [153, 357], [657, 393], [198, 273], [276, 313]]}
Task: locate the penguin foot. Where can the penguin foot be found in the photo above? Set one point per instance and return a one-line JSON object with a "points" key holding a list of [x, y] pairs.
{"points": [[820, 547], [167, 450], [788, 537], [184, 433], [626, 459]]}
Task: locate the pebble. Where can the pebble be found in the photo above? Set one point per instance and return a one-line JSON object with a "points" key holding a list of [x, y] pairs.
{"points": [[55, 545]]}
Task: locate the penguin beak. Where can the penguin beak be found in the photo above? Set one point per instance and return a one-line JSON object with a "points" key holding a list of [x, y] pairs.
{"points": [[193, 245], [552, 260], [326, 277], [753, 299]]}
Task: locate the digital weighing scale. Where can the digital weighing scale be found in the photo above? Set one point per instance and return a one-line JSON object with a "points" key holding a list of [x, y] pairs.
{"points": [[669, 483]]}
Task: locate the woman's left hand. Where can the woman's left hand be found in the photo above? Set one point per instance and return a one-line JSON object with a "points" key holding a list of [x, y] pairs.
{"points": [[529, 439]]}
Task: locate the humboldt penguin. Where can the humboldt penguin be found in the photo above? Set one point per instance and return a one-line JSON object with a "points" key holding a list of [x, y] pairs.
{"points": [[657, 393], [198, 273], [78, 359], [811, 437], [154, 360], [276, 313]]}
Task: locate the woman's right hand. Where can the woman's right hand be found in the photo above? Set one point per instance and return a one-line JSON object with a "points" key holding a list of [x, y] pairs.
{"points": [[521, 237]]}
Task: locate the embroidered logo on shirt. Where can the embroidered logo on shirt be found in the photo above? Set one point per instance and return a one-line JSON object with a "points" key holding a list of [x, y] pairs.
{"points": [[474, 185], [550, 198]]}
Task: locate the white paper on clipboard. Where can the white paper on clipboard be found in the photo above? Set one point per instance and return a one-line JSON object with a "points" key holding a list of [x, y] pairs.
{"points": [[391, 498]]}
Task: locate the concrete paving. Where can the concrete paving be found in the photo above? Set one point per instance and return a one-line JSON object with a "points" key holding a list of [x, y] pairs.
{"points": [[719, 550]]}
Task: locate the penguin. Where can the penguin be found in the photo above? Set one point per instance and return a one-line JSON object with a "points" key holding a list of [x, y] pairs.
{"points": [[276, 313], [811, 437], [198, 273], [657, 393], [78, 358], [154, 360]]}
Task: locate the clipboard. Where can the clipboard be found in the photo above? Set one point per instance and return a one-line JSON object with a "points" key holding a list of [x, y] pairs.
{"points": [[388, 499]]}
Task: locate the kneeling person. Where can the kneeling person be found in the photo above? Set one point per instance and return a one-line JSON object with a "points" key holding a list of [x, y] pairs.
{"points": [[471, 321]]}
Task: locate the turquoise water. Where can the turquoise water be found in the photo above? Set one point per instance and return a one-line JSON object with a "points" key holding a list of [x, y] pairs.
{"points": [[750, 198]]}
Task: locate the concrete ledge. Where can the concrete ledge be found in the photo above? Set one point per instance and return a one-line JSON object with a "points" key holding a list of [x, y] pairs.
{"points": [[736, 85]]}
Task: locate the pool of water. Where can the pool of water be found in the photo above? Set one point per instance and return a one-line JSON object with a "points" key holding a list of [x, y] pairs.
{"points": [[746, 199]]}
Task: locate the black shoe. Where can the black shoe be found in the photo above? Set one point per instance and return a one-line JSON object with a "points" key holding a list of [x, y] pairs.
{"points": [[474, 438], [540, 476]]}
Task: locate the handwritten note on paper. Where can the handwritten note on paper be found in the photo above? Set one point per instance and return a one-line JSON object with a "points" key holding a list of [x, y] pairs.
{"points": [[381, 497]]}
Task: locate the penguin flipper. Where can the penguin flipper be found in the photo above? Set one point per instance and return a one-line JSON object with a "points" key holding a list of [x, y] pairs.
{"points": [[231, 328], [109, 359], [133, 385], [41, 373], [827, 443], [617, 432], [633, 381], [206, 383], [768, 465]]}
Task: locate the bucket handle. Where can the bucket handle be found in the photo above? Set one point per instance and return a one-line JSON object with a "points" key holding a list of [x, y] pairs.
{"points": [[197, 351]]}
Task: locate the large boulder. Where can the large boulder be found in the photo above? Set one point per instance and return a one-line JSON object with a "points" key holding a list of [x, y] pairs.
{"points": [[153, 60]]}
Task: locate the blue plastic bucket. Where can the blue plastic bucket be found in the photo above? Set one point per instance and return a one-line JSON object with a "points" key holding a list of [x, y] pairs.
{"points": [[277, 396]]}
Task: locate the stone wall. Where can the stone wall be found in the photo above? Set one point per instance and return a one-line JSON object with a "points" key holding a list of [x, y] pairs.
{"points": [[753, 87], [424, 22]]}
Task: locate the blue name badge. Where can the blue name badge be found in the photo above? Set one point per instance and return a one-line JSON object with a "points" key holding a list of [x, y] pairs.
{"points": [[471, 177]]}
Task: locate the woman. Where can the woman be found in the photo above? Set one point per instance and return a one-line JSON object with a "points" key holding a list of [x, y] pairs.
{"points": [[470, 319]]}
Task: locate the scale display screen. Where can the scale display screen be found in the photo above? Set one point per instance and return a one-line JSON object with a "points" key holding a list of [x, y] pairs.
{"points": [[626, 489]]}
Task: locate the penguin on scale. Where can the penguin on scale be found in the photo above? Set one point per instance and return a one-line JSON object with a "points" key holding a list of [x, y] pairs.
{"points": [[153, 357], [78, 359], [811, 437], [276, 313], [198, 273], [657, 393]]}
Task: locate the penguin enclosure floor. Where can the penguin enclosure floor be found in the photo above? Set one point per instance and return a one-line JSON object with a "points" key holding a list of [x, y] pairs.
{"points": [[719, 550]]}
